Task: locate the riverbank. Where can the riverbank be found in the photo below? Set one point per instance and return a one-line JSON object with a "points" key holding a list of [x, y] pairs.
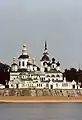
{"points": [[47, 99]]}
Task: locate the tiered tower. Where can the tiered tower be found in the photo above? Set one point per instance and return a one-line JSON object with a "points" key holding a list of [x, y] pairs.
{"points": [[45, 59]]}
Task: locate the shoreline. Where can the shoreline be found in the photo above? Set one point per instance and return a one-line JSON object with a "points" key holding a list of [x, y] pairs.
{"points": [[45, 99], [55, 101]]}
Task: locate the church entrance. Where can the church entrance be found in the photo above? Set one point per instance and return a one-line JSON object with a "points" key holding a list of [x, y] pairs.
{"points": [[73, 86], [51, 86], [17, 86]]}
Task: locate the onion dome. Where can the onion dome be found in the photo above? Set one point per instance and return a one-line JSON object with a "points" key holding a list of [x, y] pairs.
{"points": [[53, 60], [24, 53], [23, 56], [58, 64], [45, 58], [28, 63]]}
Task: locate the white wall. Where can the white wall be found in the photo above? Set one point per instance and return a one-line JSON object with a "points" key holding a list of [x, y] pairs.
{"points": [[55, 74], [14, 68], [58, 68], [25, 63]]}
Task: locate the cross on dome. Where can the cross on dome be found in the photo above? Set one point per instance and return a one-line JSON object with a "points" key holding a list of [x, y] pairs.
{"points": [[45, 45]]}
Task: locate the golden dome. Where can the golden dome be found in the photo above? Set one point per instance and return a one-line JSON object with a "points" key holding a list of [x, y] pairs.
{"points": [[24, 45], [24, 49]]}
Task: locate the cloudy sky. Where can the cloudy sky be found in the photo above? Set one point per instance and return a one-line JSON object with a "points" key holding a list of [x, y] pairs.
{"points": [[34, 21]]}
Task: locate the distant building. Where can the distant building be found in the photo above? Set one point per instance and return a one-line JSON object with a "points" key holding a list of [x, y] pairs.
{"points": [[27, 74]]}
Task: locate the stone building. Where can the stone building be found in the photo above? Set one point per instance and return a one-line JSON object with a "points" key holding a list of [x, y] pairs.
{"points": [[26, 74]]}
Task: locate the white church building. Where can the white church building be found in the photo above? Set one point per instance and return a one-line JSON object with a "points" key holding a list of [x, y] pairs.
{"points": [[25, 73]]}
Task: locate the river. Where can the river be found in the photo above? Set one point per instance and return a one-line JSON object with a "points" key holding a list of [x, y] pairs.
{"points": [[41, 111]]}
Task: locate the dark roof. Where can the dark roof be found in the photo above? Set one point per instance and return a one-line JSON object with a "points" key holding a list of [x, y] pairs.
{"points": [[45, 58], [53, 71], [38, 68], [35, 65], [23, 56], [29, 63], [49, 64]]}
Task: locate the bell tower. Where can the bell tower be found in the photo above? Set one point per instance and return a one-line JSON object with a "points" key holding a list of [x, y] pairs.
{"points": [[45, 58]]}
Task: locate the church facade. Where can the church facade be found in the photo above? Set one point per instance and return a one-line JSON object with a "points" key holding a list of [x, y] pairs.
{"points": [[25, 73]]}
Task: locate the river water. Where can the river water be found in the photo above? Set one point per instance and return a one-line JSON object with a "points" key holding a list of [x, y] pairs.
{"points": [[41, 111]]}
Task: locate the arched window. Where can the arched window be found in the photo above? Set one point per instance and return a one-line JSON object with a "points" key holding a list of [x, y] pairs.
{"points": [[45, 63], [23, 63], [33, 68], [52, 75], [57, 76], [52, 66], [52, 80], [48, 76]]}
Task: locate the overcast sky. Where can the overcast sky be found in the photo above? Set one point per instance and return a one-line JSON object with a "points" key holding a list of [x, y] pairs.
{"points": [[57, 21]]}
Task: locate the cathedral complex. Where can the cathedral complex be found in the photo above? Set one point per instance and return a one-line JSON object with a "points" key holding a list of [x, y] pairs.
{"points": [[25, 73]]}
